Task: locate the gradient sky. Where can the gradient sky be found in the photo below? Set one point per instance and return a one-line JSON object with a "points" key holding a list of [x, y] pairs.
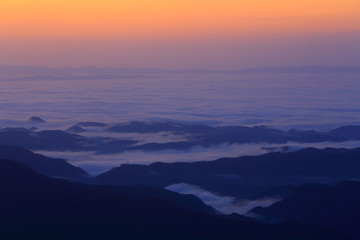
{"points": [[208, 34]]}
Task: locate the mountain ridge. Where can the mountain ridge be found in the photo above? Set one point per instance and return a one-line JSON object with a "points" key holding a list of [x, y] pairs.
{"points": [[38, 207]]}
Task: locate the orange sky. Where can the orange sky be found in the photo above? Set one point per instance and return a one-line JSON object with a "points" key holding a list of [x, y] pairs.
{"points": [[81, 20], [156, 18]]}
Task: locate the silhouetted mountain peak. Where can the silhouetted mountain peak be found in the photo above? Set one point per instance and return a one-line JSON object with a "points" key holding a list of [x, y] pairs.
{"points": [[36, 120], [75, 129]]}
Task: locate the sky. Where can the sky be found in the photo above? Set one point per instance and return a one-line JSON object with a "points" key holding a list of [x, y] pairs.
{"points": [[206, 34]]}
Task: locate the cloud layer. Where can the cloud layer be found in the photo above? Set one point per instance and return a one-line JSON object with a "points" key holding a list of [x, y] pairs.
{"points": [[226, 205]]}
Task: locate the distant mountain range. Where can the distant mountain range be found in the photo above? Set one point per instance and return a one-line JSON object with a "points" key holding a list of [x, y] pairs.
{"points": [[303, 166], [205, 136], [36, 207], [194, 135]]}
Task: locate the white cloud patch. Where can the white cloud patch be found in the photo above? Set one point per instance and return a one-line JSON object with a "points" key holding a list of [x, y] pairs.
{"points": [[224, 204]]}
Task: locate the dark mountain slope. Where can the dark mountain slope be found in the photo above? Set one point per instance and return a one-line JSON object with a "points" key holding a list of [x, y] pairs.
{"points": [[335, 206], [52, 167], [20, 176], [38, 207]]}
